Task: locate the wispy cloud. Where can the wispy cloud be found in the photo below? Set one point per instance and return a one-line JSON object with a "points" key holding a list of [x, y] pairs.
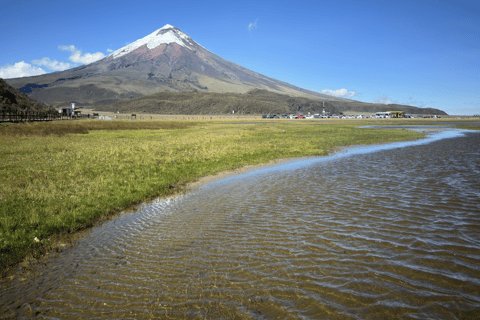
{"points": [[342, 93], [252, 25], [19, 69], [78, 57], [383, 99], [23, 69], [52, 64]]}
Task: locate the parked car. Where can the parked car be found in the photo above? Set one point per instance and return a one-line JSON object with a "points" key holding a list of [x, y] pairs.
{"points": [[284, 116], [264, 116]]}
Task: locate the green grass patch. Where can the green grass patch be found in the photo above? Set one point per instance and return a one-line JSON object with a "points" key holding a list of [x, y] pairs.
{"points": [[468, 126], [60, 182]]}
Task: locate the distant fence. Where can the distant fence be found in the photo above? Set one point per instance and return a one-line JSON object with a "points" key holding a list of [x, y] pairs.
{"points": [[37, 116], [28, 116]]}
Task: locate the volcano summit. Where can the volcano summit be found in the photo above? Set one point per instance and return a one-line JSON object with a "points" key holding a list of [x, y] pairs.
{"points": [[167, 60]]}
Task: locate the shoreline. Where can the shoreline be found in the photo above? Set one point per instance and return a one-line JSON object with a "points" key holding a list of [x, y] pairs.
{"points": [[60, 242], [239, 171], [221, 226], [64, 241], [181, 186]]}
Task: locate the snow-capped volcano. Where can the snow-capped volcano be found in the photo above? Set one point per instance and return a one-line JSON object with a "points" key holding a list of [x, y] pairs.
{"points": [[168, 53], [165, 35], [165, 60]]}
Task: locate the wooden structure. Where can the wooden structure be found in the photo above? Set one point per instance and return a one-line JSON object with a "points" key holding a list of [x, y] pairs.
{"points": [[13, 116], [67, 112]]}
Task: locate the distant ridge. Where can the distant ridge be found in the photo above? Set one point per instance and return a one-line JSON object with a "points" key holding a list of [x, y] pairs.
{"points": [[253, 102], [12, 100]]}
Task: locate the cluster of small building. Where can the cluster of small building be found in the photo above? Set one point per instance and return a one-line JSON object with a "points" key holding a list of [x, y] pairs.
{"points": [[378, 115], [74, 112], [69, 111]]}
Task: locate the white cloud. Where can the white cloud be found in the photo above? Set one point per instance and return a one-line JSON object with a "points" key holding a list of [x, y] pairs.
{"points": [[77, 57], [52, 64], [383, 99], [19, 69], [252, 25], [343, 93], [23, 69]]}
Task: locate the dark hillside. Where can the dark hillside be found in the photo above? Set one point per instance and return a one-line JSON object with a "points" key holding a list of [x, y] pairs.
{"points": [[12, 100], [253, 102]]}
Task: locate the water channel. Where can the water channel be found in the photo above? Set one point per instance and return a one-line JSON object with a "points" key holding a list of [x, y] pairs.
{"points": [[377, 232]]}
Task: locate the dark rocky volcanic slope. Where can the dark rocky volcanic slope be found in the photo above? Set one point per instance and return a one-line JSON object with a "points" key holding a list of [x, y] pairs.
{"points": [[253, 102], [12, 100], [167, 60]]}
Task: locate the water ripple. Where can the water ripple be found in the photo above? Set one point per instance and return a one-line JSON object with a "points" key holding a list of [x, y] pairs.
{"points": [[381, 232]]}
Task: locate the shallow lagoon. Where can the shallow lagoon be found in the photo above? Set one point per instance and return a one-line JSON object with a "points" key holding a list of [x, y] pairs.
{"points": [[384, 231]]}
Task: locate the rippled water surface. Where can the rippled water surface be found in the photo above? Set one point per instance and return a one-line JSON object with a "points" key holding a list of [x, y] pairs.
{"points": [[380, 232]]}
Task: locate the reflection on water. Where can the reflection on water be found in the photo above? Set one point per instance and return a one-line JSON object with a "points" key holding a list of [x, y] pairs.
{"points": [[359, 235]]}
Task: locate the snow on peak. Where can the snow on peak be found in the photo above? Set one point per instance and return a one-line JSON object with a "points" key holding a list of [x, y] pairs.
{"points": [[167, 26], [166, 34]]}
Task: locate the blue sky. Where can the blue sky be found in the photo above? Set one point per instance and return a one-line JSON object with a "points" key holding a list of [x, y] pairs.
{"points": [[421, 53]]}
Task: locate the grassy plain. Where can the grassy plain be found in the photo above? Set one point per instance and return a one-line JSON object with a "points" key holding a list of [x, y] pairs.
{"points": [[59, 177]]}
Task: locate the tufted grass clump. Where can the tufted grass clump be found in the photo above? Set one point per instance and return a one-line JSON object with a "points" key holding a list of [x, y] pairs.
{"points": [[60, 182]]}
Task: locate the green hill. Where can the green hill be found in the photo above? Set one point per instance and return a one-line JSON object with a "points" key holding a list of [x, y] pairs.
{"points": [[253, 102], [12, 100]]}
